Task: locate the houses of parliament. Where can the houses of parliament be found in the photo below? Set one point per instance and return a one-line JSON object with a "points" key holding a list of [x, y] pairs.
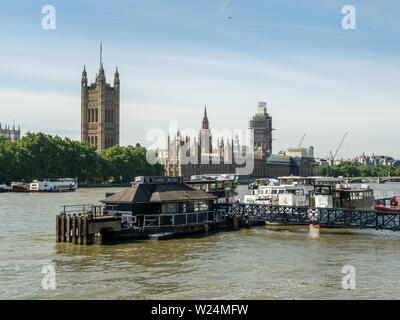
{"points": [[220, 157], [100, 126], [100, 110]]}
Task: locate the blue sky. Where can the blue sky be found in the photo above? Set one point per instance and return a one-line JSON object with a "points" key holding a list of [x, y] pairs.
{"points": [[176, 56]]}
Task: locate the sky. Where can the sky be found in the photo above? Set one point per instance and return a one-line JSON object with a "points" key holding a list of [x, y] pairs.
{"points": [[175, 56]]}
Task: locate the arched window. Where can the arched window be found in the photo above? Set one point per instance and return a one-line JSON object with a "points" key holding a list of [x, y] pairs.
{"points": [[88, 115], [96, 142], [112, 116], [97, 115]]}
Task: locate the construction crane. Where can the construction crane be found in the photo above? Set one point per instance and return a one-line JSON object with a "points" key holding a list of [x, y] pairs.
{"points": [[301, 141], [333, 156]]}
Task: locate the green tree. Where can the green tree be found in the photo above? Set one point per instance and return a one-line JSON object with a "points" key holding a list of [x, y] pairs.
{"points": [[38, 155]]}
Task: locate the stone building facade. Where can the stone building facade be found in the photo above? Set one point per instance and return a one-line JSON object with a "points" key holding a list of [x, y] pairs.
{"points": [[261, 124], [186, 158], [12, 134], [100, 111]]}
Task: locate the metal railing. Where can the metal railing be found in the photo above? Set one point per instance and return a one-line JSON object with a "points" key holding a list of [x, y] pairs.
{"points": [[82, 209], [332, 217], [180, 219]]}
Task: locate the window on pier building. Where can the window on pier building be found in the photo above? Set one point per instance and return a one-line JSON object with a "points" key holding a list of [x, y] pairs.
{"points": [[200, 206], [169, 208]]}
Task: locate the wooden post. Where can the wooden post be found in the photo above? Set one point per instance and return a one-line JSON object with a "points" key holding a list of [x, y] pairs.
{"points": [[74, 228], [235, 223], [85, 230], [63, 227], [247, 224], [58, 233], [79, 229], [69, 228]]}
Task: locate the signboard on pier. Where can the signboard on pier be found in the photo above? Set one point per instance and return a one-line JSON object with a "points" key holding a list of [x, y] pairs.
{"points": [[157, 180]]}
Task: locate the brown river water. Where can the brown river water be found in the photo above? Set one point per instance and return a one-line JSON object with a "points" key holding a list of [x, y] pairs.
{"points": [[260, 263]]}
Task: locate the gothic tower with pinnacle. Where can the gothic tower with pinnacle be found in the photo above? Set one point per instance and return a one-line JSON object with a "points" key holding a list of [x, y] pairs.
{"points": [[100, 110], [205, 139]]}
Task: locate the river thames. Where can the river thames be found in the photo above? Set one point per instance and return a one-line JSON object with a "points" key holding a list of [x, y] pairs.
{"points": [[260, 263]]}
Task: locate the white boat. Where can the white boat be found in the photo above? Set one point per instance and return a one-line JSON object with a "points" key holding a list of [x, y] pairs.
{"points": [[283, 195], [47, 185], [315, 192], [288, 191], [5, 188]]}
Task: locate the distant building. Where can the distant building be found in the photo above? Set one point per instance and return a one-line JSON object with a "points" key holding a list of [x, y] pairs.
{"points": [[12, 134], [300, 152], [261, 124], [221, 158], [374, 160], [100, 110], [322, 162]]}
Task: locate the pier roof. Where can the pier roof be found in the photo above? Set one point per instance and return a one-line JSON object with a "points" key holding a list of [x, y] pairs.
{"points": [[155, 193]]}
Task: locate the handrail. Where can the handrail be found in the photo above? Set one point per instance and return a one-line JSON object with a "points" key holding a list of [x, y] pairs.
{"points": [[155, 219]]}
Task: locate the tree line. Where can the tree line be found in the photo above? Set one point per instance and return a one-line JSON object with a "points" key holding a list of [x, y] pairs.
{"points": [[351, 169], [38, 155]]}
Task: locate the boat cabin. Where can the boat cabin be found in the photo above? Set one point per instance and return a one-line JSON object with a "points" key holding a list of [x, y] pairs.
{"points": [[223, 187], [344, 196], [309, 181]]}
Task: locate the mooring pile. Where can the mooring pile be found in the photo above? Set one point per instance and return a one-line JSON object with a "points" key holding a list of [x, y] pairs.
{"points": [[74, 228]]}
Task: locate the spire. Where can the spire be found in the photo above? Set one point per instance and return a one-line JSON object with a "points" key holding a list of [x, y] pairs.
{"points": [[205, 124], [116, 78], [101, 55]]}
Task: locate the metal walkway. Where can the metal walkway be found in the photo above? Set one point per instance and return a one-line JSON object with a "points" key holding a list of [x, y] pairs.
{"points": [[339, 218]]}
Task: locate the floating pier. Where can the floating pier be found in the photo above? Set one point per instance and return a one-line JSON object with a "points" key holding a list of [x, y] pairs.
{"points": [[324, 217], [81, 228]]}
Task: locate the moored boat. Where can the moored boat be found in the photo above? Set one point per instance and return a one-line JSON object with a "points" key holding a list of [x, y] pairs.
{"points": [[20, 186], [391, 205], [221, 186], [47, 185], [5, 188], [314, 192]]}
